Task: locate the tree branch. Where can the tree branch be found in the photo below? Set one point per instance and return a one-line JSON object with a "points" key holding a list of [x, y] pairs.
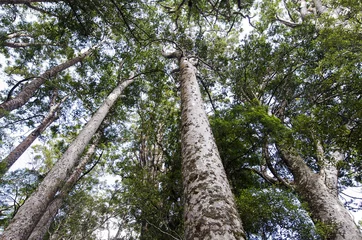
{"points": [[286, 22], [266, 156]]}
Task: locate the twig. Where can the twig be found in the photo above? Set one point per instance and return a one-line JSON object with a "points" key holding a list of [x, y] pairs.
{"points": [[162, 230]]}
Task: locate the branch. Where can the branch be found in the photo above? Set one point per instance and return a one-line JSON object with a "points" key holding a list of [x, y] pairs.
{"points": [[303, 9], [18, 45], [351, 196], [162, 230], [17, 84], [289, 14], [286, 22], [17, 34], [40, 10], [208, 94], [319, 6], [262, 174], [175, 54], [89, 170], [270, 166]]}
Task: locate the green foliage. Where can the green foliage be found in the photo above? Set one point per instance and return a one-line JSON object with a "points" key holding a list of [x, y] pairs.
{"points": [[326, 231], [274, 213], [16, 187], [275, 84]]}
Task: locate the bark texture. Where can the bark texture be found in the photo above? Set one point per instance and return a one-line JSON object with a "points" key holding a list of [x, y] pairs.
{"points": [[319, 190], [21, 148], [44, 223], [31, 88], [34, 207], [210, 211]]}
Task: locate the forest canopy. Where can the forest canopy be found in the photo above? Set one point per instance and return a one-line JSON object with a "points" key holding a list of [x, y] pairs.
{"points": [[180, 119]]}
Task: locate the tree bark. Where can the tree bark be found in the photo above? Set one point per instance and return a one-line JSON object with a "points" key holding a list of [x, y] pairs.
{"points": [[24, 145], [44, 223], [32, 210], [31, 88], [303, 9], [319, 6], [319, 191], [210, 211]]}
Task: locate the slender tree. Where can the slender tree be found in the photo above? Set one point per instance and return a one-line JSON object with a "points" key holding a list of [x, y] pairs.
{"points": [[210, 211], [32, 210], [44, 223], [29, 90], [13, 156]]}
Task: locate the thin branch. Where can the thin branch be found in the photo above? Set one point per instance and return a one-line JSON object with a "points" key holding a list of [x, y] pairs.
{"points": [[23, 119], [40, 10], [18, 83], [286, 22], [208, 93], [17, 34], [360, 198], [266, 156], [93, 166], [162, 230], [262, 174], [124, 20], [289, 14], [18, 45]]}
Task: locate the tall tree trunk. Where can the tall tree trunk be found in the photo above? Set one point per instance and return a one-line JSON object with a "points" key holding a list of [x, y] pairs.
{"points": [[319, 191], [210, 211], [32, 210], [44, 223], [24, 145], [29, 90]]}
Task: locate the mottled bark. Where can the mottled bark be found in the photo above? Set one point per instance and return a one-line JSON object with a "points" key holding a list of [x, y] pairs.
{"points": [[318, 190], [210, 211], [21, 148], [319, 6], [44, 223], [29, 90], [17, 45], [328, 169], [303, 9], [32, 210]]}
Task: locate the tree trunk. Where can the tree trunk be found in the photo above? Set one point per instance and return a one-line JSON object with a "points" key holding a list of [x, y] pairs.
{"points": [[210, 211], [32, 210], [44, 223], [319, 6], [24, 145], [31, 88], [319, 192]]}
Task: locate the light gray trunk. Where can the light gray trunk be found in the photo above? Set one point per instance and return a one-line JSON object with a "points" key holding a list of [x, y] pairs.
{"points": [[303, 9], [44, 223], [210, 211], [319, 6], [29, 90], [319, 191], [21, 148], [32, 210]]}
